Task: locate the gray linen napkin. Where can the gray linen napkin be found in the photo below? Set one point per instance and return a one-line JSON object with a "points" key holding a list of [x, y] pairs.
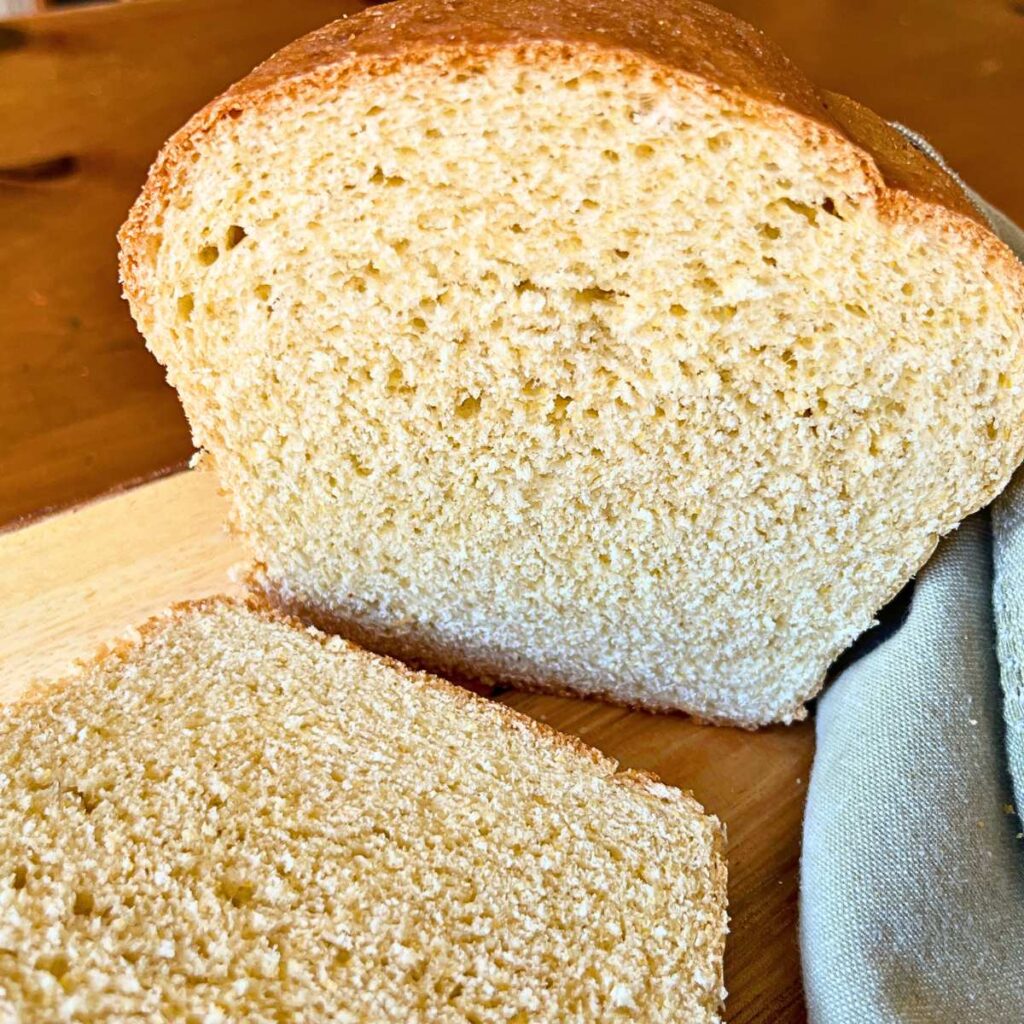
{"points": [[912, 878]]}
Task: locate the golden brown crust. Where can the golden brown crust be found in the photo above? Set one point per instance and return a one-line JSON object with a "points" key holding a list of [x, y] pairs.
{"points": [[683, 34], [902, 165], [681, 37]]}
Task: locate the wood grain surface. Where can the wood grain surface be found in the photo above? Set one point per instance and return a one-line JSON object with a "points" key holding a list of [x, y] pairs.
{"points": [[77, 579], [87, 97]]}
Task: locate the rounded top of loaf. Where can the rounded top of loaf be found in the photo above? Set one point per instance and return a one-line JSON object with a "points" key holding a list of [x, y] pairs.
{"points": [[685, 38], [683, 35]]}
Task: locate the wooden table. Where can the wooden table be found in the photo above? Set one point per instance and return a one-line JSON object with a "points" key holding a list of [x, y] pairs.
{"points": [[87, 96]]}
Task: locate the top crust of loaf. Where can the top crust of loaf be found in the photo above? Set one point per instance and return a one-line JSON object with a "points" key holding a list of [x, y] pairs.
{"points": [[712, 48]]}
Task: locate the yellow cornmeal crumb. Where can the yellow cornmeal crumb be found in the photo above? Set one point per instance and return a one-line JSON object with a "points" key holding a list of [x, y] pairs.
{"points": [[562, 368], [236, 819]]}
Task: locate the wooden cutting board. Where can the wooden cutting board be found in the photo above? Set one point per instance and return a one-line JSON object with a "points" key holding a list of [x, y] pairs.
{"points": [[74, 580]]}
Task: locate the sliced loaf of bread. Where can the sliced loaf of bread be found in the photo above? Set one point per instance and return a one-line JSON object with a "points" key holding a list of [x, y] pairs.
{"points": [[582, 345], [235, 818]]}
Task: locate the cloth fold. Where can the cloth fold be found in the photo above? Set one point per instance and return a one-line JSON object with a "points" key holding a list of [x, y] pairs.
{"points": [[912, 875]]}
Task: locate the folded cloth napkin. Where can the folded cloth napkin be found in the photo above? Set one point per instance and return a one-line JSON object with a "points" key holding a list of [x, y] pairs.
{"points": [[912, 878]]}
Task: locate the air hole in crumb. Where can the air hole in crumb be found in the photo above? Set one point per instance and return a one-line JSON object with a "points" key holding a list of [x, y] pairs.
{"points": [[908, 288], [433, 133], [400, 245], [610, 155], [590, 204], [235, 234], [856, 309], [717, 142], [830, 207], [186, 303], [572, 84], [374, 111], [809, 213], [57, 965], [516, 229], [1004, 380], [644, 151], [418, 323], [377, 177], [677, 310], [84, 903], [593, 294], [208, 254], [262, 291], [622, 254], [991, 430], [358, 466], [467, 408], [237, 893], [20, 876], [90, 801], [560, 410], [769, 231]]}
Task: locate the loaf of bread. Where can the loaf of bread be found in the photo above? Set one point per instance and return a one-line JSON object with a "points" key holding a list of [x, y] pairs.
{"points": [[582, 345], [233, 818]]}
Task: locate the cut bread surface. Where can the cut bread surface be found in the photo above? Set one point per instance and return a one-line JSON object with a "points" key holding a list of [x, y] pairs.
{"points": [[556, 361], [234, 818]]}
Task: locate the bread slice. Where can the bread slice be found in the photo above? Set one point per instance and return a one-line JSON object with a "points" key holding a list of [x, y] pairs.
{"points": [[582, 345], [233, 817]]}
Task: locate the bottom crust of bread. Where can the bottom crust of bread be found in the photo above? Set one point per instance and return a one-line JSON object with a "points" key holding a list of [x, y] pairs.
{"points": [[419, 653]]}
